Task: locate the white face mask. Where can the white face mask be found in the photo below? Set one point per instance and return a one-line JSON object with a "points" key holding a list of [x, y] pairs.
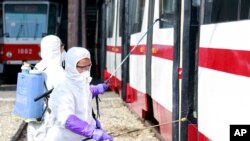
{"points": [[86, 74]]}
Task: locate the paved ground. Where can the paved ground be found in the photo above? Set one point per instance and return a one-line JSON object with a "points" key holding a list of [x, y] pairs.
{"points": [[116, 119], [9, 123]]}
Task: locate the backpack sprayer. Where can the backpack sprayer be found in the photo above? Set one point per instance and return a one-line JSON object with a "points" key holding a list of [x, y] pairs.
{"points": [[30, 84]]}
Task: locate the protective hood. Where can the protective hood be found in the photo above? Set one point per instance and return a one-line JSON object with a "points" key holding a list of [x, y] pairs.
{"points": [[74, 55], [50, 52]]}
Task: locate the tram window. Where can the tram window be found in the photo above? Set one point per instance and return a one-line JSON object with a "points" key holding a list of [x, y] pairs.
{"points": [[137, 11], [225, 10], [121, 18], [1, 21], [245, 9], [110, 18], [167, 13], [52, 19]]}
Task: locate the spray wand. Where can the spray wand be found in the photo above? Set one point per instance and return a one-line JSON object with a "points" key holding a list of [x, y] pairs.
{"points": [[135, 46], [149, 127]]}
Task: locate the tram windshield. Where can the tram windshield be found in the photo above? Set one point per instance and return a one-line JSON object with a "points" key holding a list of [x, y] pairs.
{"points": [[25, 20], [1, 20]]}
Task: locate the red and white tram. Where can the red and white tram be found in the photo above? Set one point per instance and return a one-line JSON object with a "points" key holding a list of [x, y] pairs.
{"points": [[223, 68], [23, 24], [193, 63]]}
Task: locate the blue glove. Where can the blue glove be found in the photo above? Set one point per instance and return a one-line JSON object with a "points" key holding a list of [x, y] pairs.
{"points": [[80, 127], [98, 89]]}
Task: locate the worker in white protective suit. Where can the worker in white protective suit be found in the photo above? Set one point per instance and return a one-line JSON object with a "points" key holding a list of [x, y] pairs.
{"points": [[71, 102], [52, 52]]}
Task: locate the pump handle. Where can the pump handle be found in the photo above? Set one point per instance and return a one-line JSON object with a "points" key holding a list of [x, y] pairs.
{"points": [[43, 95]]}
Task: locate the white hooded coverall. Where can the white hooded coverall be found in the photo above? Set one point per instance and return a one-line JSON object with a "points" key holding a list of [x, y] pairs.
{"points": [[51, 65], [71, 97]]}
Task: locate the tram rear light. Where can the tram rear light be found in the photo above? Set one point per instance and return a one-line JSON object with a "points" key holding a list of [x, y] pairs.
{"points": [[1, 50], [9, 54]]}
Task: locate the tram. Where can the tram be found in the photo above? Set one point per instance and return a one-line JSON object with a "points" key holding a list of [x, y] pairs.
{"points": [[182, 62], [22, 26]]}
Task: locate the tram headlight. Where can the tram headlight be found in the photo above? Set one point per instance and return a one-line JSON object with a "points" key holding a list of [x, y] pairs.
{"points": [[39, 53], [9, 54]]}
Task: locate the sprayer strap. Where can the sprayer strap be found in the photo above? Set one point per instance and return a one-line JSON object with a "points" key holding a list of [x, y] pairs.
{"points": [[97, 106], [97, 109]]}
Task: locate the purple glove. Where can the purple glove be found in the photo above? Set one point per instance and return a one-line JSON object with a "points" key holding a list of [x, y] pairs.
{"points": [[78, 126], [98, 89], [98, 124], [101, 135], [81, 127]]}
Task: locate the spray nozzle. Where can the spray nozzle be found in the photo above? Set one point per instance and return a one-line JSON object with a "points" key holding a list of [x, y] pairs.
{"points": [[106, 81]]}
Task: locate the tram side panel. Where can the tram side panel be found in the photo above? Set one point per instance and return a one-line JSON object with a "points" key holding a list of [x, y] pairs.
{"points": [[136, 89], [224, 75], [110, 65], [162, 68], [118, 47], [110, 52], [113, 58], [1, 40], [223, 85], [118, 50]]}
